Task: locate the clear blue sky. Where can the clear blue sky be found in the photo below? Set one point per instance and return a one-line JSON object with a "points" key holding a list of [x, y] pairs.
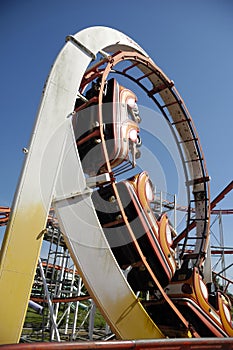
{"points": [[191, 40]]}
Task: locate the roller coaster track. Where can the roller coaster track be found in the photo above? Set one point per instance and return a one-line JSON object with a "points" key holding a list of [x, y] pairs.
{"points": [[53, 151], [166, 97], [213, 204]]}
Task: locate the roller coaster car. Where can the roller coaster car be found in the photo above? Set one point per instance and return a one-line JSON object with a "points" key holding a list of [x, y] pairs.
{"points": [[153, 236], [120, 119], [209, 315]]}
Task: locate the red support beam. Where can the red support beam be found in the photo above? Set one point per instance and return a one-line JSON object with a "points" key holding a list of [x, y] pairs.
{"points": [[221, 195], [213, 204]]}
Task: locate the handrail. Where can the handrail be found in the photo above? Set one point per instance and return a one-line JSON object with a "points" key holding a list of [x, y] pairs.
{"points": [[168, 344]]}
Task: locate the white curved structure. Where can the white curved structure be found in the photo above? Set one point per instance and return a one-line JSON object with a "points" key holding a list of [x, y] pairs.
{"points": [[52, 173], [34, 196]]}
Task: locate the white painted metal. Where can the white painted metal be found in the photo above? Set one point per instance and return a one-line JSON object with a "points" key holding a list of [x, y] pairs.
{"points": [[92, 255], [36, 185], [47, 295], [33, 197], [52, 171]]}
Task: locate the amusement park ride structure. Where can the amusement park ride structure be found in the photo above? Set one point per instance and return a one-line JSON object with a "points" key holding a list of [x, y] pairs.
{"points": [[147, 280]]}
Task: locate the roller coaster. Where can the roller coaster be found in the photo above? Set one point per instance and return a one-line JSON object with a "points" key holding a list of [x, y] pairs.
{"points": [[148, 280]]}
